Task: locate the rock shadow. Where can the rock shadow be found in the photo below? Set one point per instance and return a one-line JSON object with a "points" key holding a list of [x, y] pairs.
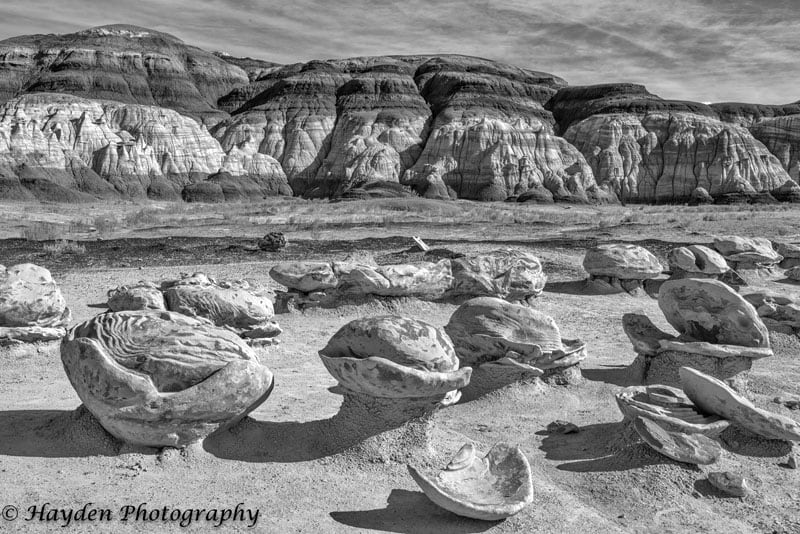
{"points": [[252, 440], [601, 447], [411, 512], [572, 287], [618, 375], [706, 489], [743, 442], [55, 434]]}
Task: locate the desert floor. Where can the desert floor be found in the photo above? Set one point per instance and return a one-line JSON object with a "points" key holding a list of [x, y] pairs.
{"points": [[601, 479]]}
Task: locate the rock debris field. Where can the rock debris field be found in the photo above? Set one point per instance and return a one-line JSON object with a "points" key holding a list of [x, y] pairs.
{"points": [[478, 388]]}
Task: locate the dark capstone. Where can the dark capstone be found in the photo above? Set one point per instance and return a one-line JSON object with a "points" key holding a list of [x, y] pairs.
{"points": [[272, 242]]}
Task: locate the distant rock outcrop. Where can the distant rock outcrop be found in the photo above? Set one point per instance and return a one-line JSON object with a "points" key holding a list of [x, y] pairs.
{"points": [[119, 62], [648, 150], [94, 148], [123, 111]]}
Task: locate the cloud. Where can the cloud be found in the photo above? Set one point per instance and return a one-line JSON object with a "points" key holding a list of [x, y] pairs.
{"points": [[703, 50]]}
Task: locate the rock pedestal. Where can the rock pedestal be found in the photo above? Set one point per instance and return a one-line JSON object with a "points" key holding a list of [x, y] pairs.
{"points": [[506, 343], [393, 372], [620, 268], [721, 334]]}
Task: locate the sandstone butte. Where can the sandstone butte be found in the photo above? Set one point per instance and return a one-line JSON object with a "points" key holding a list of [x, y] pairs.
{"points": [[123, 111]]}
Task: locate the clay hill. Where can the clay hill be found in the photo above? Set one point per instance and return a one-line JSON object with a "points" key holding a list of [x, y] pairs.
{"points": [[123, 111]]}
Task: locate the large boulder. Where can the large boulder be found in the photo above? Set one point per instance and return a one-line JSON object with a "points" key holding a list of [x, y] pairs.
{"points": [[425, 280], [231, 304], [710, 311], [507, 273], [696, 261], [29, 297], [306, 276], [747, 250], [141, 296], [488, 329], [622, 261], [393, 356], [161, 378]]}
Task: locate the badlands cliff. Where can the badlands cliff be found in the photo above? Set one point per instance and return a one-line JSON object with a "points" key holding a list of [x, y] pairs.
{"points": [[123, 111]]}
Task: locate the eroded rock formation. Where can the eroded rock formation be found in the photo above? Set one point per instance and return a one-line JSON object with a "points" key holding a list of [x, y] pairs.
{"points": [[119, 62], [443, 127], [158, 378], [647, 149], [32, 307]]}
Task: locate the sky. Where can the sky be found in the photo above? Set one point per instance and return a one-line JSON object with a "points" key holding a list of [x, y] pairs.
{"points": [[701, 50]]}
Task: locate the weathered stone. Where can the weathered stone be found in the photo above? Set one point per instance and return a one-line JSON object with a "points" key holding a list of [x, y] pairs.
{"points": [[30, 334], [393, 356], [670, 408], [687, 448], [305, 276], [487, 329], [272, 242], [142, 296], [747, 250], [30, 297], [230, 304], [507, 273], [490, 488], [696, 260], [713, 396], [729, 483], [426, 280], [700, 196], [162, 378], [622, 261], [709, 310], [661, 355]]}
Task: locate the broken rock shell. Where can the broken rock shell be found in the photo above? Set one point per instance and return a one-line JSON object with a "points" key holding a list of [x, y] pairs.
{"points": [[491, 488], [670, 408]]}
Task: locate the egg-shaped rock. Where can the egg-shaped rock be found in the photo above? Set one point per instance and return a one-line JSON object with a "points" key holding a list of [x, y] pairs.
{"points": [[394, 356], [622, 261], [30, 297], [709, 310], [231, 304], [485, 329], [140, 296], [161, 378], [697, 259]]}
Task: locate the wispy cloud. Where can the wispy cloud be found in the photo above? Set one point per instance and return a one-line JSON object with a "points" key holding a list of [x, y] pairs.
{"points": [[705, 50]]}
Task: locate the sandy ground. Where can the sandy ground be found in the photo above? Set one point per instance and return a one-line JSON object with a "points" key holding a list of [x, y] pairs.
{"points": [[601, 479]]}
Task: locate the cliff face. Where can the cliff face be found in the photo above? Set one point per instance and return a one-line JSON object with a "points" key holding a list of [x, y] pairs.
{"points": [[647, 149], [664, 156], [123, 63], [50, 143], [126, 111], [445, 126]]}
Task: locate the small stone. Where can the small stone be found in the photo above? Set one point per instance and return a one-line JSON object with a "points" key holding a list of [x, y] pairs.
{"points": [[729, 483], [562, 427], [791, 461], [272, 242]]}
